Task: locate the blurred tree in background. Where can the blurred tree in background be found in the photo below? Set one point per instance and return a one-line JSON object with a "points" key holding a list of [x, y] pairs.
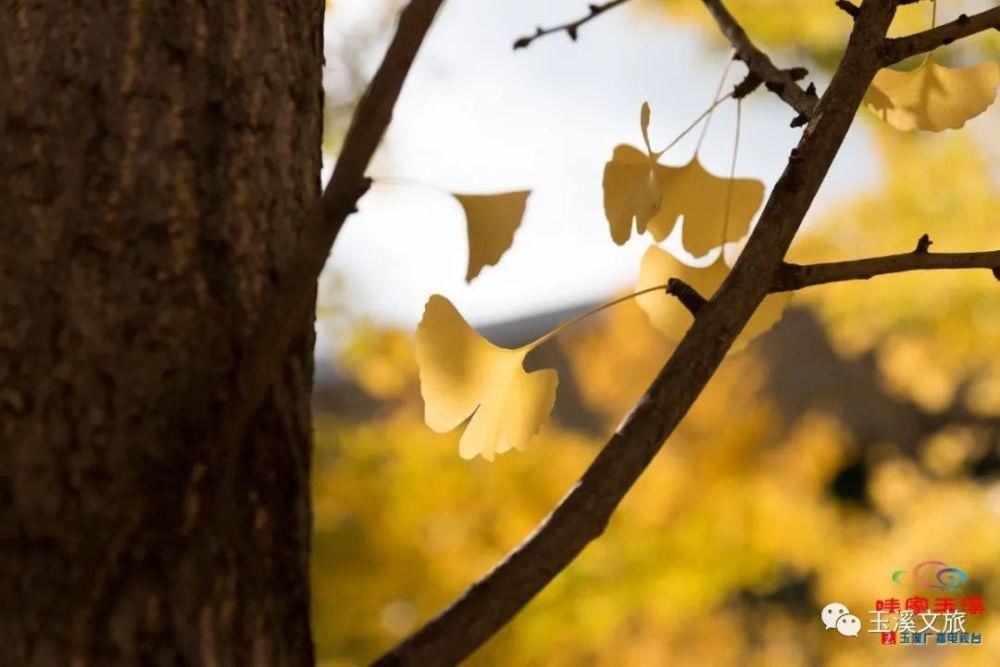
{"points": [[858, 437]]}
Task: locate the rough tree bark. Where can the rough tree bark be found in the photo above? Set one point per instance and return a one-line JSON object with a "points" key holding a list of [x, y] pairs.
{"points": [[157, 158]]}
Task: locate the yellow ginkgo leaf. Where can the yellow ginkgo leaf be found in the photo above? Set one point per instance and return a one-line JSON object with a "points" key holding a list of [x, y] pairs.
{"points": [[462, 374], [491, 221], [933, 97], [630, 188], [704, 200], [672, 319], [630, 191]]}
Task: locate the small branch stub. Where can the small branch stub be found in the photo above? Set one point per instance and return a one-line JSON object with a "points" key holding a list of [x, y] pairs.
{"points": [[924, 244], [687, 295], [752, 81], [849, 7], [749, 84]]}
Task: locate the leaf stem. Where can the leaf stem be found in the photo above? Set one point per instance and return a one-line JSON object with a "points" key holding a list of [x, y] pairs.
{"points": [[693, 125], [732, 172], [718, 91], [593, 311]]}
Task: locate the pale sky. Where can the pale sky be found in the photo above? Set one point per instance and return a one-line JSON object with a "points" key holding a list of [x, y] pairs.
{"points": [[477, 117]]}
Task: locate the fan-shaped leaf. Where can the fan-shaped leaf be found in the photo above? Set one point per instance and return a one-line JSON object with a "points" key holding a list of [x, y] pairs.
{"points": [[637, 188], [701, 199], [630, 188], [630, 192], [933, 97], [462, 374], [491, 221]]}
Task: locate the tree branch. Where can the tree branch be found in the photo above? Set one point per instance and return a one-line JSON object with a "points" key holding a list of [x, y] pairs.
{"points": [[583, 513], [763, 71], [790, 277], [780, 82], [901, 48], [570, 28], [293, 296]]}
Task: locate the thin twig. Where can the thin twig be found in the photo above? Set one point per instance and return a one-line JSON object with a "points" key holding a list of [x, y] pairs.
{"points": [[795, 276], [901, 48], [780, 82], [572, 28]]}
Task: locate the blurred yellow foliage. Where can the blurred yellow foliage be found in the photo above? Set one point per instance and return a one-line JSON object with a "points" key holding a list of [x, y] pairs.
{"points": [[816, 27], [380, 360], [732, 509], [934, 330]]}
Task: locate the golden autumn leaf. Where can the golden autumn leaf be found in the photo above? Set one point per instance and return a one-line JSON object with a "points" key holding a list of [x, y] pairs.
{"points": [[716, 210], [704, 201], [630, 188], [491, 221], [631, 192], [672, 319], [933, 97], [462, 374]]}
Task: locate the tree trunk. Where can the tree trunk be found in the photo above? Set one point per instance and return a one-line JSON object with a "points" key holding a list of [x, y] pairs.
{"points": [[156, 158]]}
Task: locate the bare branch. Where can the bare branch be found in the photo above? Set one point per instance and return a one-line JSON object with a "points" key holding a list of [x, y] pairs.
{"points": [[795, 276], [780, 82], [286, 312], [572, 28], [583, 513], [762, 70], [901, 48]]}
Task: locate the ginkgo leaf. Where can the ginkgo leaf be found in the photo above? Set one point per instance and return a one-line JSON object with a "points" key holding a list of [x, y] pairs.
{"points": [[491, 221], [672, 319], [630, 188], [704, 200], [462, 374], [631, 192], [716, 210], [933, 97]]}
